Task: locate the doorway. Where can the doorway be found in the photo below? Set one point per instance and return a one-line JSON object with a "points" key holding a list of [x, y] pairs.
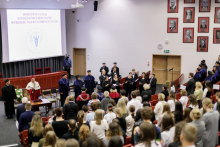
{"points": [[79, 61], [166, 67]]}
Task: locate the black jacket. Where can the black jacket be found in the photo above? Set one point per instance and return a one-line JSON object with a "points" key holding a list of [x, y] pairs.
{"points": [[153, 84], [69, 135], [175, 144], [190, 86], [102, 78], [135, 77], [70, 111], [60, 127], [166, 93], [148, 93], [105, 68], [122, 123]]}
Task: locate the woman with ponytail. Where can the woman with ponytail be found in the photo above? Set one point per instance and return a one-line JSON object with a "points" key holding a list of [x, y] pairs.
{"points": [[210, 135], [72, 133], [130, 120], [110, 115], [81, 120]]}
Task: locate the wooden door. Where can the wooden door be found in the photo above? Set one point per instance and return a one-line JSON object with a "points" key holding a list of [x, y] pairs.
{"points": [[79, 58], [160, 68], [175, 63]]}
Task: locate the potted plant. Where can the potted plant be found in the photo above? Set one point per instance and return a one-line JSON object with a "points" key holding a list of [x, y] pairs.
{"points": [[19, 95]]}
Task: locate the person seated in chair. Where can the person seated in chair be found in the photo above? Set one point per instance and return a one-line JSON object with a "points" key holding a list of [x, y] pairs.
{"points": [[71, 109]]}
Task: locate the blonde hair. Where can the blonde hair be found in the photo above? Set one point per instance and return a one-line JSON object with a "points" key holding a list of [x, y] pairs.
{"points": [[198, 85], [67, 100], [118, 112], [72, 143], [183, 92], [189, 132], [50, 139], [28, 106], [146, 86], [122, 105], [106, 93], [36, 125], [98, 117], [83, 132], [71, 98], [113, 91], [47, 128], [207, 102], [196, 114], [161, 97], [172, 96]]}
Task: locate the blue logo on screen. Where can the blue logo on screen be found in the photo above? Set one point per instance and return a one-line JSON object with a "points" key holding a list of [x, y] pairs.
{"points": [[36, 40]]}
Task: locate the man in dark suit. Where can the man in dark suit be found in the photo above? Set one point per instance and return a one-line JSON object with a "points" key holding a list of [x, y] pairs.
{"points": [[190, 84], [114, 72], [135, 77], [152, 83], [117, 69], [102, 77], [105, 68], [25, 118], [165, 91], [71, 109], [21, 108]]}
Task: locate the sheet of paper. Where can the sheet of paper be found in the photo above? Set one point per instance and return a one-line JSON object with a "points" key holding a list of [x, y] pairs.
{"points": [[183, 87], [216, 87]]}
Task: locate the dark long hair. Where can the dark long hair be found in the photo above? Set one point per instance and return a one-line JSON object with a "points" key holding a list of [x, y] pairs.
{"points": [[178, 112], [138, 115], [208, 85]]}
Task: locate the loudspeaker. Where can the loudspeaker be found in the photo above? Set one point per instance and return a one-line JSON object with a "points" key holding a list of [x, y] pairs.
{"points": [[96, 5]]}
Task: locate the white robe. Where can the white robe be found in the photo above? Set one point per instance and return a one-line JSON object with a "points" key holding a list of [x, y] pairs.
{"points": [[32, 85]]}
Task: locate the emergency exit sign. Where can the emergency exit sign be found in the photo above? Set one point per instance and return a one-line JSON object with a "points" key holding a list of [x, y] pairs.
{"points": [[166, 51]]}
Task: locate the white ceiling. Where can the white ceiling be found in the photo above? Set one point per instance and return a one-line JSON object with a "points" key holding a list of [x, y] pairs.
{"points": [[36, 4]]}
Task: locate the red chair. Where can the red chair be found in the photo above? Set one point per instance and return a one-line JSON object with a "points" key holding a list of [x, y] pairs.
{"points": [[178, 96], [152, 107], [44, 119], [129, 145], [38, 71], [47, 70], [1, 75], [155, 102], [128, 140], [168, 98], [155, 122], [26, 142], [213, 98], [153, 97], [22, 136], [151, 103]]}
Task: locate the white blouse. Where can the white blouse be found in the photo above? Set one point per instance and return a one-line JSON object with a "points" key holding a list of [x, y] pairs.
{"points": [[99, 130], [172, 105], [159, 109], [172, 88], [167, 137], [184, 100], [130, 124]]}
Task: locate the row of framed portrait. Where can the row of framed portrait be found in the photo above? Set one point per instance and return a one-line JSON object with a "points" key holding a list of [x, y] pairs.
{"points": [[204, 5]]}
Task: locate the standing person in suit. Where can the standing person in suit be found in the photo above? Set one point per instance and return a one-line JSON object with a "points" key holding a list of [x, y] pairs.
{"points": [[102, 77], [135, 77], [114, 72], [67, 65], [63, 88], [129, 84], [142, 81], [8, 97], [190, 84], [152, 83], [25, 118], [105, 68], [71, 109], [117, 69], [78, 84], [165, 91], [89, 83]]}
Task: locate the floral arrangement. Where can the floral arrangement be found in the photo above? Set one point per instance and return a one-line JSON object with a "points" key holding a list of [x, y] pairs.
{"points": [[19, 94]]}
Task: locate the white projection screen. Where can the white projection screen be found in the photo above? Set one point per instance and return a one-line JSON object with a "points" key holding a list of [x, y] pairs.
{"points": [[32, 34]]}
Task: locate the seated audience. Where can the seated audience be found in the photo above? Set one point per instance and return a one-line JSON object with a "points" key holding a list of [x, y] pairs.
{"points": [[70, 110], [93, 99], [60, 125], [105, 101], [147, 92], [190, 84], [61, 143], [110, 115], [81, 120], [124, 111], [217, 95], [83, 98], [72, 132], [166, 110], [47, 128], [178, 128], [198, 93], [121, 119], [35, 132], [178, 114], [211, 118], [172, 86], [195, 114], [130, 120], [186, 115], [113, 130], [208, 90], [100, 95], [136, 103], [172, 100], [50, 139], [114, 94], [147, 136], [148, 104], [25, 118], [112, 101], [72, 143], [165, 91], [184, 98], [83, 132], [167, 130], [90, 116], [93, 141], [115, 141], [159, 106], [188, 136], [123, 97], [99, 125], [193, 102], [21, 108]]}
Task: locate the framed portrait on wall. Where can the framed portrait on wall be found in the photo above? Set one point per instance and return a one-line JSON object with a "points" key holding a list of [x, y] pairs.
{"points": [[202, 43], [217, 15], [172, 6], [172, 25], [189, 14], [188, 35], [189, 1], [217, 1], [203, 25], [216, 35], [204, 5]]}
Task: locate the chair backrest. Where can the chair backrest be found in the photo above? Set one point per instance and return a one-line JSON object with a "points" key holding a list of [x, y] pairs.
{"points": [[128, 140], [44, 119], [153, 97], [47, 90], [38, 71], [152, 107], [47, 70], [178, 96], [151, 103]]}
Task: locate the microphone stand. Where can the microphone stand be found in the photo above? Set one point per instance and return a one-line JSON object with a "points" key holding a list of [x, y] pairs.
{"points": [[172, 72]]}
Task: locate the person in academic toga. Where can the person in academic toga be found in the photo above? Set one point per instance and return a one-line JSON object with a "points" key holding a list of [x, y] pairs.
{"points": [[67, 65], [33, 88], [172, 4], [152, 83], [189, 14], [203, 24], [105, 68], [190, 84], [89, 83], [172, 24], [63, 88], [105, 85], [202, 43], [102, 77], [77, 86], [135, 78], [8, 97], [129, 84], [205, 4], [117, 68], [187, 34], [197, 77]]}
